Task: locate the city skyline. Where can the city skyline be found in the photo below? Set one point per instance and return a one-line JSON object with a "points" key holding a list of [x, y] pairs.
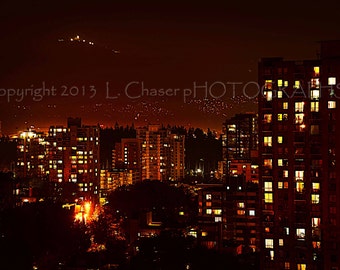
{"points": [[171, 45], [263, 194]]}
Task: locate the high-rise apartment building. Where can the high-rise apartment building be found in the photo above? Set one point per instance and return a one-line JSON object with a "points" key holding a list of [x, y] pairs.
{"points": [[240, 146], [174, 157], [73, 156], [151, 138], [127, 155], [31, 158], [212, 215], [162, 153], [240, 138], [299, 187]]}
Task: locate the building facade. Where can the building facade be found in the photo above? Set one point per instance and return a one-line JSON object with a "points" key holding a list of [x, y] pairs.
{"points": [[73, 156], [162, 153], [299, 189]]}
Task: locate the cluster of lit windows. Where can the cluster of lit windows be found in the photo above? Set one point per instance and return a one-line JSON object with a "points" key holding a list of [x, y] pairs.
{"points": [[299, 106], [282, 117], [282, 83], [281, 185]]}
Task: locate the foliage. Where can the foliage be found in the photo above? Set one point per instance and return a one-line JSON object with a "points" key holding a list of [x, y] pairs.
{"points": [[163, 200], [42, 233]]}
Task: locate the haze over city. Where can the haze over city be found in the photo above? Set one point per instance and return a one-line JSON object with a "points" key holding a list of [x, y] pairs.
{"points": [[81, 46]]}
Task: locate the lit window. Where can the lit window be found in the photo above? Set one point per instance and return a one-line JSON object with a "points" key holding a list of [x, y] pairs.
{"points": [[299, 175], [251, 212], [240, 204], [301, 266], [267, 118], [208, 211], [268, 84], [280, 162], [314, 106], [269, 243], [287, 265], [299, 106], [280, 83], [316, 222], [316, 244], [316, 186], [271, 253], [315, 94], [268, 186], [299, 118], [315, 198], [268, 197], [279, 185], [208, 204], [268, 95], [241, 212], [286, 83], [331, 81], [281, 242], [267, 141], [285, 173], [268, 163], [315, 83], [316, 71], [193, 233], [208, 196], [299, 186], [296, 84], [279, 94], [286, 230], [279, 139], [217, 211], [331, 104], [285, 105], [218, 219]]}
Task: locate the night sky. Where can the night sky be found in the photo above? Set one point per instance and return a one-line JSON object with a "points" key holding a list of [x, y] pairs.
{"points": [[164, 44]]}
